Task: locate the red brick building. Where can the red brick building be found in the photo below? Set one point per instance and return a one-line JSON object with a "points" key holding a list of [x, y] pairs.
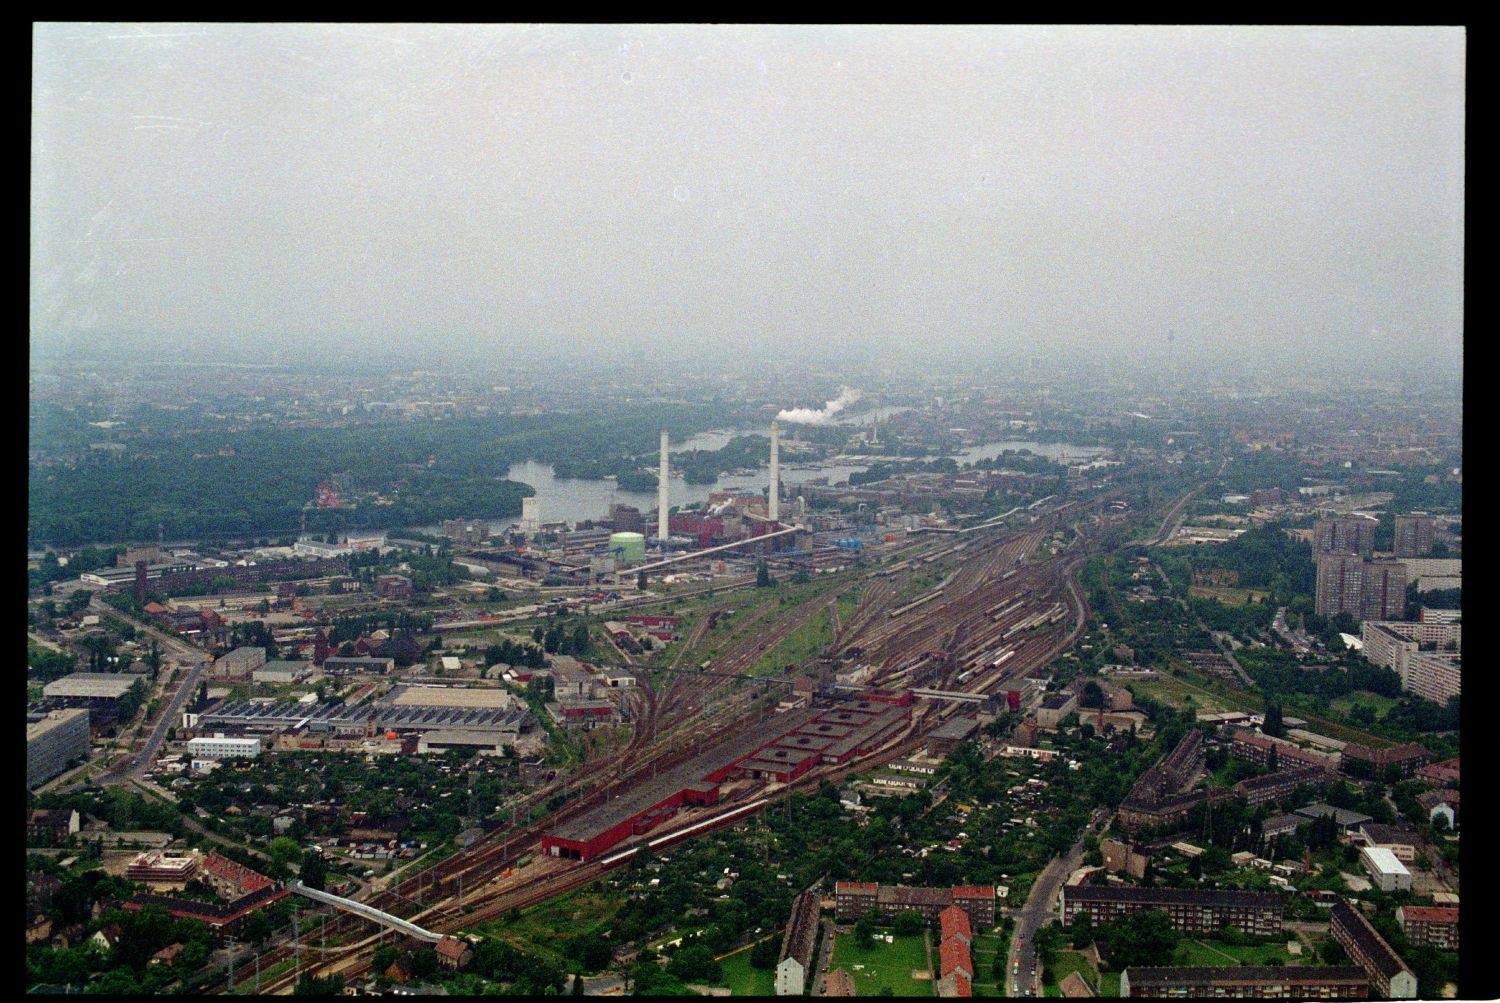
{"points": [[853, 899]]}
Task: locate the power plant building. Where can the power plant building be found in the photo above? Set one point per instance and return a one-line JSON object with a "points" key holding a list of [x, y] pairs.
{"points": [[628, 547]]}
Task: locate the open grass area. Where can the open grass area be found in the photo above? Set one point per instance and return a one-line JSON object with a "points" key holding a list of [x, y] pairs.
{"points": [[1225, 595], [1175, 692], [547, 928], [1212, 695], [1067, 962], [801, 645], [1362, 698], [1260, 954], [1196, 953], [985, 949], [1109, 984], [884, 965], [1205, 951], [743, 979]]}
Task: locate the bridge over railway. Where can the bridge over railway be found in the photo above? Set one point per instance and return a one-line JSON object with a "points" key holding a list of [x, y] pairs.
{"points": [[777, 534], [368, 912], [974, 698]]}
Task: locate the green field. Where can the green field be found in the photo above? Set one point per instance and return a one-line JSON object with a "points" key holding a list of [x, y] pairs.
{"points": [[801, 645], [547, 928], [1066, 962], [743, 979], [985, 949], [1215, 952], [1226, 595], [1176, 692], [1364, 698], [884, 965], [1212, 696]]}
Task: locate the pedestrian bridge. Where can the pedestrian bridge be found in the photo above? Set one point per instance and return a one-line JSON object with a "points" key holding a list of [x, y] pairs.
{"points": [[367, 911], [974, 698]]}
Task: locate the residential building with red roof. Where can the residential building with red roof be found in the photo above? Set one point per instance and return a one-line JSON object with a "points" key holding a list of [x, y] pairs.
{"points": [[954, 922], [839, 983], [1443, 773], [1436, 926], [232, 880], [453, 953], [953, 956]]}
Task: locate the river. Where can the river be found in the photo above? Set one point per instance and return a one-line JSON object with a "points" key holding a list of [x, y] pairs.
{"points": [[574, 500]]}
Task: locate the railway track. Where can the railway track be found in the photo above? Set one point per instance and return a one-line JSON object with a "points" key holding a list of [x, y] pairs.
{"points": [[959, 622]]}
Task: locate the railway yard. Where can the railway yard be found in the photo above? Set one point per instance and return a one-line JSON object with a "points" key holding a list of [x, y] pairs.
{"points": [[710, 747]]}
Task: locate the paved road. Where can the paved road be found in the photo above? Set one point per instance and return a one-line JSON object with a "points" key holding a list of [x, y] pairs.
{"points": [[1025, 975], [1300, 644], [192, 823], [187, 683], [824, 959]]}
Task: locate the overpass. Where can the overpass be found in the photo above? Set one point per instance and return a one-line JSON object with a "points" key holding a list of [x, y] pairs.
{"points": [[368, 912], [974, 698], [714, 550]]}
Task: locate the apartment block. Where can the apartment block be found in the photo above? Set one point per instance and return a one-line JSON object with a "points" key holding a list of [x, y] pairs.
{"points": [[1389, 975], [1351, 535], [1273, 982], [1192, 910], [1429, 925], [1415, 534]]}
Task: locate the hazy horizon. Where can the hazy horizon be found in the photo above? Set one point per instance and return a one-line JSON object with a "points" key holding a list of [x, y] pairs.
{"points": [[281, 192]]}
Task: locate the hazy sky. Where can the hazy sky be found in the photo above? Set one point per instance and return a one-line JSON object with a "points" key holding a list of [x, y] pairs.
{"points": [[231, 190]]}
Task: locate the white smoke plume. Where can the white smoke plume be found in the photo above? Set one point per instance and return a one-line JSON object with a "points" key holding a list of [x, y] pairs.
{"points": [[815, 416]]}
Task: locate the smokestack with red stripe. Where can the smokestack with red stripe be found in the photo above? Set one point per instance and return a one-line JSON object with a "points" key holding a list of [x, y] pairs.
{"points": [[774, 502], [661, 494]]}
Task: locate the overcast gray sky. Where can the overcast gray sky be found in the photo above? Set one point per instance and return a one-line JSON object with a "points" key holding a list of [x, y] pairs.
{"points": [[337, 189]]}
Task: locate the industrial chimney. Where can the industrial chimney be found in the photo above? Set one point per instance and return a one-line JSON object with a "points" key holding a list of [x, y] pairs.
{"points": [[774, 510], [661, 494]]}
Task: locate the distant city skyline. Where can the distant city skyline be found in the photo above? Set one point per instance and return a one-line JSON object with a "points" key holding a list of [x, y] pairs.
{"points": [[1243, 197]]}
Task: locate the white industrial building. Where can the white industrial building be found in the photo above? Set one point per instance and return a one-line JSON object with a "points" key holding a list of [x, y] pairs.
{"points": [[1388, 873], [282, 672], [220, 747]]}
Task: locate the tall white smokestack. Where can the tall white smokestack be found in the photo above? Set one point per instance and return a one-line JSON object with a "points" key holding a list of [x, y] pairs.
{"points": [[661, 493], [773, 511]]}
